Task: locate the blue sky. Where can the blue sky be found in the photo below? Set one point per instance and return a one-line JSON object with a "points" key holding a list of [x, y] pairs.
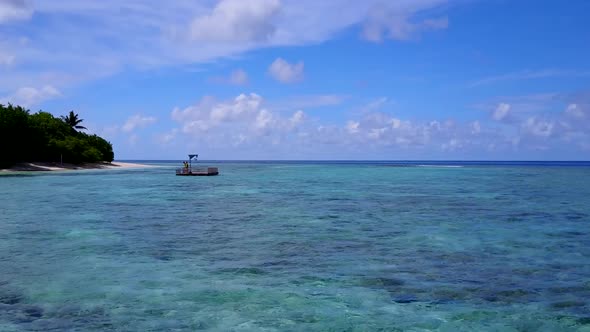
{"points": [[333, 79]]}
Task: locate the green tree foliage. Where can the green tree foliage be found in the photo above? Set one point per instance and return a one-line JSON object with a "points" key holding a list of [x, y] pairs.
{"points": [[73, 120], [45, 128], [14, 126], [103, 146], [42, 137]]}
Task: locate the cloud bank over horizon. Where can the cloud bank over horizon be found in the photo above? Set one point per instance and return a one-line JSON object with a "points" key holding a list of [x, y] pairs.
{"points": [[248, 125]]}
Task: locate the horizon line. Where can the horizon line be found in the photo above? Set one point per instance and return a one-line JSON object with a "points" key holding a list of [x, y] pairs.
{"points": [[372, 160]]}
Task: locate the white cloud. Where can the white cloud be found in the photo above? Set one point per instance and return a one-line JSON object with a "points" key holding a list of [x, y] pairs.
{"points": [[167, 138], [575, 111], [236, 77], [393, 20], [14, 10], [475, 127], [297, 118], [383, 130], [538, 127], [375, 105], [530, 74], [512, 109], [85, 40], [242, 107], [264, 120], [352, 127], [242, 121], [210, 111], [306, 101], [237, 21], [452, 145], [6, 59], [501, 112], [248, 124], [29, 96], [285, 72], [574, 123], [532, 122], [137, 121]]}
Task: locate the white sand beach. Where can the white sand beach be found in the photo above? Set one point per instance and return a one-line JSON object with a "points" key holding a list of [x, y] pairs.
{"points": [[47, 166]]}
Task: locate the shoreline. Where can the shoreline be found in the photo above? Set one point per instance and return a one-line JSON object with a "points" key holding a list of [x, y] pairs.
{"points": [[53, 166]]}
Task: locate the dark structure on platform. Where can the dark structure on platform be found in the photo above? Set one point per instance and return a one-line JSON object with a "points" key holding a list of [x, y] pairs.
{"points": [[188, 169]]}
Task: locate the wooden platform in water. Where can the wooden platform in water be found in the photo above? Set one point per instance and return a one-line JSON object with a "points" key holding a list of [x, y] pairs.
{"points": [[197, 174], [209, 171]]}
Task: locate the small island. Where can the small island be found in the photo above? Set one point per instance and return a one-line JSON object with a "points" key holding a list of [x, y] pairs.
{"points": [[40, 141]]}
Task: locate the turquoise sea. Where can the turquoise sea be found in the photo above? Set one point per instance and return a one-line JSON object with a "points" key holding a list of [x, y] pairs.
{"points": [[299, 246]]}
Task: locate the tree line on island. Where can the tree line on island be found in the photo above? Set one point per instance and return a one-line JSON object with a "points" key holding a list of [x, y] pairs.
{"points": [[41, 137]]}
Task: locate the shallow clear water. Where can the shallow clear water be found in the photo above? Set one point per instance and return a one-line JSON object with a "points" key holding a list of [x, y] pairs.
{"points": [[298, 247]]}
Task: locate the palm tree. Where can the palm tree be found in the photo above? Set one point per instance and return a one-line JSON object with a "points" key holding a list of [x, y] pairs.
{"points": [[73, 121]]}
